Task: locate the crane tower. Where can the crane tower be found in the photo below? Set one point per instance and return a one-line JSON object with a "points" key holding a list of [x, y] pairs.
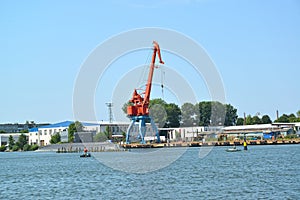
{"points": [[138, 109]]}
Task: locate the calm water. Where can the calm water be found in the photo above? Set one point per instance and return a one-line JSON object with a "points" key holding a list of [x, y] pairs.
{"points": [[263, 172]]}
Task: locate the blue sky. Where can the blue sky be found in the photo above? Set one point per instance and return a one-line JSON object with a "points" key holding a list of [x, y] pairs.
{"points": [[255, 46]]}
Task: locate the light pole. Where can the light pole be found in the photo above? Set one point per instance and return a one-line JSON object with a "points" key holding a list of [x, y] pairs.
{"points": [[194, 117], [110, 105]]}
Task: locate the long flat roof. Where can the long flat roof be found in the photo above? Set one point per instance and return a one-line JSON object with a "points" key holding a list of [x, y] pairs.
{"points": [[63, 124], [253, 128], [247, 127]]}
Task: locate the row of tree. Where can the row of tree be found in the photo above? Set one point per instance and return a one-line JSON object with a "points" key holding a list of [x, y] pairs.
{"points": [[249, 120], [289, 118], [20, 145], [265, 119], [206, 113]]}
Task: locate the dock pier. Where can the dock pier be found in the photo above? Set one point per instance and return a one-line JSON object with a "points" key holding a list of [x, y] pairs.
{"points": [[203, 144]]}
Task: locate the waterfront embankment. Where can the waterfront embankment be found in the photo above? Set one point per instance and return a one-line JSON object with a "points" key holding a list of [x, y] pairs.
{"points": [[78, 147], [212, 143], [108, 146]]}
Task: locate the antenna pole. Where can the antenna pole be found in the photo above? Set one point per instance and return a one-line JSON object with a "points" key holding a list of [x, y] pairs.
{"points": [[109, 106]]}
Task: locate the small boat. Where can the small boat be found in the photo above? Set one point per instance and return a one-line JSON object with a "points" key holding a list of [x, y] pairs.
{"points": [[233, 149], [85, 155]]}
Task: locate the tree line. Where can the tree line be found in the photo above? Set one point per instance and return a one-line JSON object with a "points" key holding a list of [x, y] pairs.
{"points": [[205, 113], [20, 145], [265, 119]]}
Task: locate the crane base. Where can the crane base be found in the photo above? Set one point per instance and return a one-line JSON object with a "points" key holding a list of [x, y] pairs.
{"points": [[142, 128]]}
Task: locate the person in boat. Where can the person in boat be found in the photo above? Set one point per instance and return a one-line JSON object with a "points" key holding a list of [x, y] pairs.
{"points": [[85, 151]]}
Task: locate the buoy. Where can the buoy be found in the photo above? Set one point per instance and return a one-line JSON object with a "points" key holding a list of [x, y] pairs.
{"points": [[245, 146]]}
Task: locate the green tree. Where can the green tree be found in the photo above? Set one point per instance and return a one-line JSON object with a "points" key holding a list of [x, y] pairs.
{"points": [[157, 101], [205, 113], [74, 127], [215, 113], [108, 132], [298, 113], [218, 113], [173, 113], [2, 148], [256, 120], [189, 114], [231, 115], [27, 147], [240, 121], [266, 119], [34, 147], [283, 119], [158, 112], [15, 147], [100, 137], [293, 118], [22, 141], [249, 120], [11, 142], [55, 138]]}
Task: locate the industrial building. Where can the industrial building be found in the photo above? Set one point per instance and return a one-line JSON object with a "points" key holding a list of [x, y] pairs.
{"points": [[42, 135], [262, 131]]}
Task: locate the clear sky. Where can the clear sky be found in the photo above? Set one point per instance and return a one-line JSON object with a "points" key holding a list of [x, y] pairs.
{"points": [[255, 46]]}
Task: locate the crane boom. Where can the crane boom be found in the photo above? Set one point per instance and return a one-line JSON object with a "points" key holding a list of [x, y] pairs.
{"points": [[150, 76], [141, 104]]}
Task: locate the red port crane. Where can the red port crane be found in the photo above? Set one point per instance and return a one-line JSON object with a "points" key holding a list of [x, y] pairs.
{"points": [[138, 110], [141, 104]]}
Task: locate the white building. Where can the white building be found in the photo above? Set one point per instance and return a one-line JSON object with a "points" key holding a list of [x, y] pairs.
{"points": [[263, 131], [42, 135], [190, 133]]}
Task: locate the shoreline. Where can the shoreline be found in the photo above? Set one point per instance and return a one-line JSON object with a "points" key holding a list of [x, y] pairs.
{"points": [[204, 144], [114, 147]]}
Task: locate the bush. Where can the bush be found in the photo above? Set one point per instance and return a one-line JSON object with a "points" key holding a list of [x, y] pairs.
{"points": [[55, 138], [100, 137], [2, 148], [34, 147], [291, 136], [15, 147], [27, 147]]}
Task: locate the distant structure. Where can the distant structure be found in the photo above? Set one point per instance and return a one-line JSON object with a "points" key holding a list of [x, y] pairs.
{"points": [[19, 128], [42, 135], [110, 105]]}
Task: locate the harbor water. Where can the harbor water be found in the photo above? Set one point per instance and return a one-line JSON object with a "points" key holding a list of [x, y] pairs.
{"points": [[262, 172]]}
